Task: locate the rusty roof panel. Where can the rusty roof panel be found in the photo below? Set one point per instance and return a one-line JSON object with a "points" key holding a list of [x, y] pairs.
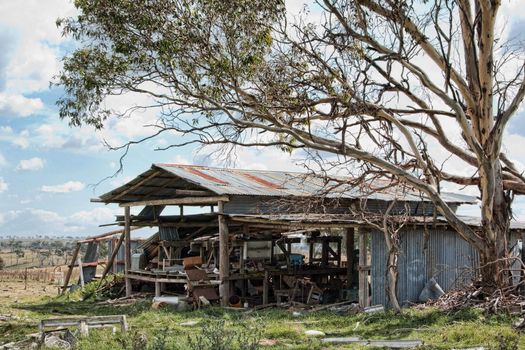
{"points": [[254, 183], [282, 183]]}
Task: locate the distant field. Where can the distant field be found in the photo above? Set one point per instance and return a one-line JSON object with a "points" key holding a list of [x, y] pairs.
{"points": [[35, 252], [31, 258]]}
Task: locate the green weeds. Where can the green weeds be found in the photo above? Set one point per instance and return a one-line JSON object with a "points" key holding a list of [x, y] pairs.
{"points": [[277, 329]]}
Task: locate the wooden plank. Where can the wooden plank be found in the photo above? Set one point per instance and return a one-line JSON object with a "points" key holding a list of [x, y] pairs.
{"points": [[105, 236], [224, 256], [81, 272], [138, 277], [127, 249], [350, 235], [390, 344], [193, 193], [290, 225], [114, 253], [523, 262], [364, 299], [137, 185], [84, 323], [178, 201], [70, 269], [265, 287]]}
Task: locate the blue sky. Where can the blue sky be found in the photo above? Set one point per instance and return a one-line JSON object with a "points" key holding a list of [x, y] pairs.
{"points": [[47, 170]]}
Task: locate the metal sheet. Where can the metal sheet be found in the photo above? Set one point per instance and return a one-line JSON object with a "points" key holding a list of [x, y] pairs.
{"points": [[449, 259], [163, 179]]}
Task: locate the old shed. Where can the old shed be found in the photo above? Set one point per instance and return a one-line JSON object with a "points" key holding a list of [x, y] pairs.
{"points": [[263, 236]]}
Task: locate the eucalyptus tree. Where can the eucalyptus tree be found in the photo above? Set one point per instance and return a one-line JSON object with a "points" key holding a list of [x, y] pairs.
{"points": [[416, 92]]}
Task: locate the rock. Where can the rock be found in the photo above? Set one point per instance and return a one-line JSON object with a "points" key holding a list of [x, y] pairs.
{"points": [[296, 314], [54, 341], [314, 333], [189, 323]]}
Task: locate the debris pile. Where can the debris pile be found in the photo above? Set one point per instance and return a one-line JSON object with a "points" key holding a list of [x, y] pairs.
{"points": [[473, 296]]}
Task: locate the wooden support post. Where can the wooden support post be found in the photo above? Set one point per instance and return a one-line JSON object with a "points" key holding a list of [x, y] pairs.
{"points": [[265, 287], [70, 267], [81, 272], [114, 253], [224, 256], [523, 261], [349, 255], [364, 300], [339, 254], [324, 253], [158, 289], [272, 253], [127, 249], [113, 245]]}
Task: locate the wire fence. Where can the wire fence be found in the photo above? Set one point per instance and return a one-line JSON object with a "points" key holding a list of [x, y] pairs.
{"points": [[45, 275]]}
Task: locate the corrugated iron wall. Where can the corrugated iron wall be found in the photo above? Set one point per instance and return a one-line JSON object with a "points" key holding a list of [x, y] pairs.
{"points": [[168, 233], [448, 258]]}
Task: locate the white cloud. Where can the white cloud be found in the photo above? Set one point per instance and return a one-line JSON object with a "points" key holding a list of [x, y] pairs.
{"points": [[97, 215], [35, 51], [31, 164], [32, 221], [7, 134], [3, 185], [3, 161], [121, 181], [12, 105], [70, 186]]}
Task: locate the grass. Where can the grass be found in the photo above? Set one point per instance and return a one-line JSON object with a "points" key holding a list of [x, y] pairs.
{"points": [[162, 329]]}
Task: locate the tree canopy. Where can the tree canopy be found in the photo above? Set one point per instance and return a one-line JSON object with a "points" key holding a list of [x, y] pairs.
{"points": [[416, 92]]}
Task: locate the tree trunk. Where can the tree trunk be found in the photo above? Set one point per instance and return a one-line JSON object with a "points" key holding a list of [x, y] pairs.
{"points": [[391, 269], [391, 279], [495, 222]]}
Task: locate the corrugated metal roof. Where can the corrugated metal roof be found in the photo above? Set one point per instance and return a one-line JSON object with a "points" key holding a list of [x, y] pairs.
{"points": [[224, 181]]}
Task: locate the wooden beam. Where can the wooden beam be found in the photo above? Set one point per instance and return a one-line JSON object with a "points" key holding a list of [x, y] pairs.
{"points": [[224, 257], [138, 184], [265, 286], [178, 201], [289, 225], [193, 193], [364, 300], [105, 236], [127, 249], [70, 267], [522, 253], [113, 255], [350, 236], [81, 272]]}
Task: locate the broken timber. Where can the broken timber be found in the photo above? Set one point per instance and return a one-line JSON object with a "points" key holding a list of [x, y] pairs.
{"points": [[391, 344], [84, 323]]}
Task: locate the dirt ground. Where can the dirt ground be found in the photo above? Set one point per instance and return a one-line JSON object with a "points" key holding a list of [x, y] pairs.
{"points": [[13, 291]]}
